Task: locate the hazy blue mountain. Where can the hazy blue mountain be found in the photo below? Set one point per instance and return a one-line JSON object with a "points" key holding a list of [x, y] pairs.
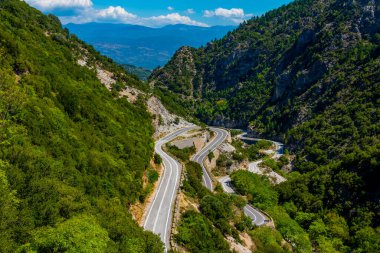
{"points": [[144, 46]]}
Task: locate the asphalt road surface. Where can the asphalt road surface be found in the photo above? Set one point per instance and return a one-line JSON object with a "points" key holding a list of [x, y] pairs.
{"points": [[220, 136], [279, 145], [159, 216], [278, 152], [257, 217]]}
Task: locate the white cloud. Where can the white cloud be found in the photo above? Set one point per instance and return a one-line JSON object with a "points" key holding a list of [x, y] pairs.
{"points": [[173, 18], [55, 4], [189, 11], [233, 13], [115, 13], [85, 13], [120, 15]]}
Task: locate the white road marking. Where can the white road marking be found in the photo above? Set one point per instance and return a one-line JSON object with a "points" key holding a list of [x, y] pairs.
{"points": [[166, 189], [199, 158], [165, 181], [158, 190], [249, 211], [171, 201]]}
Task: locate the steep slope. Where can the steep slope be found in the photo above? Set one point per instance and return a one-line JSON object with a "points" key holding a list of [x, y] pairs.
{"points": [[308, 74], [270, 59], [72, 155]]}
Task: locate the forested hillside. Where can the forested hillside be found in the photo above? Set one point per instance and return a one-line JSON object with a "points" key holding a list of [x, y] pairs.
{"points": [[308, 74], [272, 59], [72, 156]]}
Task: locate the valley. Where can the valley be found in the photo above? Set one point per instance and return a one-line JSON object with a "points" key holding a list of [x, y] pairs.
{"points": [[158, 219], [306, 74], [94, 158], [142, 46], [204, 149]]}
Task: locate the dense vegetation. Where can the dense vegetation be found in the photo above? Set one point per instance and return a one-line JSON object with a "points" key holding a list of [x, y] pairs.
{"points": [[197, 234], [307, 73], [72, 157], [182, 154], [271, 59], [327, 230], [140, 72], [252, 152], [262, 195], [219, 214]]}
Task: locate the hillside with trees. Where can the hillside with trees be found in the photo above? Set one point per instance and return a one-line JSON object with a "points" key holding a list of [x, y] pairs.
{"points": [[72, 155], [308, 74]]}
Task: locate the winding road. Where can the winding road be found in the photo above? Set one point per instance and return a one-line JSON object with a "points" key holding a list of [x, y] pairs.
{"points": [[257, 217], [279, 145], [254, 166], [220, 137], [159, 216]]}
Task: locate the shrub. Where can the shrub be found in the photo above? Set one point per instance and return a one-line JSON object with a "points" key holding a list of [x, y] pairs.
{"points": [[157, 159]]}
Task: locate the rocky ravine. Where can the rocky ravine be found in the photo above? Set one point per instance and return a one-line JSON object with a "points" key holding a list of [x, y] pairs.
{"points": [[164, 121]]}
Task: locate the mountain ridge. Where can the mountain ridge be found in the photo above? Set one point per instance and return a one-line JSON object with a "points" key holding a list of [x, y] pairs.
{"points": [[307, 74], [73, 154], [144, 46]]}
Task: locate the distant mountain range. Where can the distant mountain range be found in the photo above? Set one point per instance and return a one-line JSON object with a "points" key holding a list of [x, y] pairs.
{"points": [[144, 46]]}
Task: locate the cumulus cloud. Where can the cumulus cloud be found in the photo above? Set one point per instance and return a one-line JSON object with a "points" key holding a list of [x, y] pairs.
{"points": [[235, 15], [56, 4], [189, 11], [117, 14], [225, 13], [173, 18], [85, 12]]}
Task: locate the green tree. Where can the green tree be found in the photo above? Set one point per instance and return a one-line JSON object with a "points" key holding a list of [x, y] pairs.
{"points": [[197, 234], [157, 159], [8, 212], [367, 240], [80, 234]]}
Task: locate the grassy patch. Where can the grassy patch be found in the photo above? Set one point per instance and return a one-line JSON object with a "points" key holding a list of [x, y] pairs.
{"points": [[182, 154]]}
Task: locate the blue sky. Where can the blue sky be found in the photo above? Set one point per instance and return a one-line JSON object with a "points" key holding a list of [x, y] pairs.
{"points": [[156, 13]]}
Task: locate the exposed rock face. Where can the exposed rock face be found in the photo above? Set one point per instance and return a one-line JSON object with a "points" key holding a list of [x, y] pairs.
{"points": [[226, 148], [163, 121], [130, 93], [306, 77], [108, 78], [105, 77], [227, 123]]}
